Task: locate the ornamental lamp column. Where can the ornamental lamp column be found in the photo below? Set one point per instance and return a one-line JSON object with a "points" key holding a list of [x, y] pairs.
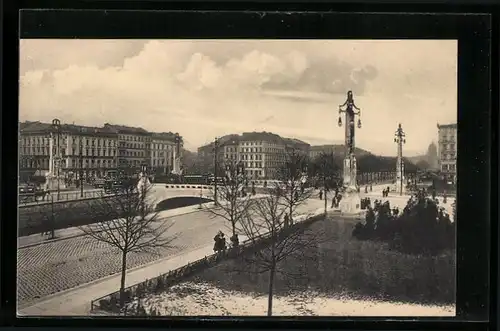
{"points": [[400, 139]]}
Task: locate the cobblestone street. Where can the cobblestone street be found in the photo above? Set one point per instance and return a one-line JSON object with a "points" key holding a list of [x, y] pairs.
{"points": [[61, 265], [57, 266]]}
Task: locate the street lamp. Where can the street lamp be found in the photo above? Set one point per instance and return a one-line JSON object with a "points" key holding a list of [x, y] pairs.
{"points": [[177, 150], [216, 151], [56, 127], [81, 166], [399, 138]]}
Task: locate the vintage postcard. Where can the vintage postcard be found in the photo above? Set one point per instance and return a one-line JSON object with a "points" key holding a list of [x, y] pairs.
{"points": [[237, 177]]}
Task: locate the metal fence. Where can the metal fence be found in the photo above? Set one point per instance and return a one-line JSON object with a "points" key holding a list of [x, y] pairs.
{"points": [[111, 302]]}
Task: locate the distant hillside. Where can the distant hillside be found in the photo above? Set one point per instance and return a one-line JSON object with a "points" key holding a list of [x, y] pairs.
{"points": [[339, 149], [417, 158]]}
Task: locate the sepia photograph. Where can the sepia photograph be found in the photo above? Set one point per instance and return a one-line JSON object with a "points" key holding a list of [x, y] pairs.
{"points": [[182, 177]]}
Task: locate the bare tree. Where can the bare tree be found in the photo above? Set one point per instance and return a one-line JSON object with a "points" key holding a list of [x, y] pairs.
{"points": [[264, 225], [50, 219], [233, 200], [45, 220], [292, 177], [328, 171], [133, 225]]}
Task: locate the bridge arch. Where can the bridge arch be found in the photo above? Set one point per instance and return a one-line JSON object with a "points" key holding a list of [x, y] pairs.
{"points": [[160, 193], [179, 202]]}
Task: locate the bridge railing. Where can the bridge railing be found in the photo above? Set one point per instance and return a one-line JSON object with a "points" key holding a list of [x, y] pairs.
{"points": [[49, 197]]}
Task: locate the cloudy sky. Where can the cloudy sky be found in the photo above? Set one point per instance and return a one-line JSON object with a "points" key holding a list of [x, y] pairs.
{"points": [[207, 88]]}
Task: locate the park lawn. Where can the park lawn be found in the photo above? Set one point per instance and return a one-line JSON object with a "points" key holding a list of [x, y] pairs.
{"points": [[342, 264]]}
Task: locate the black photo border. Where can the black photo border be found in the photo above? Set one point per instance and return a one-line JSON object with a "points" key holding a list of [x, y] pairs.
{"points": [[475, 206]]}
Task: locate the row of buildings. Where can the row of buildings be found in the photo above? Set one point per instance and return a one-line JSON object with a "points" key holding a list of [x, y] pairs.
{"points": [[94, 151], [262, 153]]}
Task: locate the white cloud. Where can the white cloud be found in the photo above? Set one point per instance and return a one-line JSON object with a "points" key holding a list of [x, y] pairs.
{"points": [[207, 88]]}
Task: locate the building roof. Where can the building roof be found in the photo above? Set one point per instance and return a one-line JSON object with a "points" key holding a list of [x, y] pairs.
{"points": [[168, 136], [126, 129], [45, 128], [108, 130], [449, 126], [261, 136], [34, 127], [232, 139]]}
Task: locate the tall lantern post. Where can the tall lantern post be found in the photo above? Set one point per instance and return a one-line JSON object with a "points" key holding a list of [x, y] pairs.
{"points": [[56, 129], [351, 201], [216, 165], [400, 139]]}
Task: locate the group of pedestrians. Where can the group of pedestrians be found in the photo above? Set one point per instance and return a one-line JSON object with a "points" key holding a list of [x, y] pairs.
{"points": [[220, 244], [335, 199]]}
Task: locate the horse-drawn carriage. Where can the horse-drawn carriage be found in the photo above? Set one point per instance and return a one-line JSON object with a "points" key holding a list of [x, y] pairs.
{"points": [[29, 193]]}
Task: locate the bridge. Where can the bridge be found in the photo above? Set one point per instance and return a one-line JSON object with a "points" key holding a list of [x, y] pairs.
{"points": [[161, 192]]}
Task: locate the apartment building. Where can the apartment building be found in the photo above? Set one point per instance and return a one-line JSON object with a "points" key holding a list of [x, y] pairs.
{"points": [[162, 152], [34, 149], [447, 150], [262, 153], [91, 151], [134, 146]]}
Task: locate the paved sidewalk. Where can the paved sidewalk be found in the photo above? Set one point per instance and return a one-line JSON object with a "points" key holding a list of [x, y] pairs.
{"points": [[76, 301]]}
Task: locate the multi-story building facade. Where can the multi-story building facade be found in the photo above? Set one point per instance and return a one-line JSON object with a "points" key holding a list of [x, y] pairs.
{"points": [[34, 149], [447, 150], [262, 153], [134, 147], [228, 151], [162, 152], [91, 151], [87, 150]]}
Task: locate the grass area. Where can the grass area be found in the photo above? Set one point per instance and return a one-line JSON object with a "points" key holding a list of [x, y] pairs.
{"points": [[342, 264]]}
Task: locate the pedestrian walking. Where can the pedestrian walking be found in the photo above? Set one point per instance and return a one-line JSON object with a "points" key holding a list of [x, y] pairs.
{"points": [[320, 194]]}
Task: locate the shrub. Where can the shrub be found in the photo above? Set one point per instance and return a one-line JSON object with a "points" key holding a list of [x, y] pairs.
{"points": [[358, 268], [422, 228]]}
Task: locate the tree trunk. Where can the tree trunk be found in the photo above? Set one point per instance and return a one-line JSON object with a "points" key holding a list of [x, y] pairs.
{"points": [[326, 202], [52, 221], [122, 281], [272, 272]]}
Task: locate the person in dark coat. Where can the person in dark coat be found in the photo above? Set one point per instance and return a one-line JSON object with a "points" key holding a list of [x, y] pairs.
{"points": [[320, 194], [234, 240]]}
